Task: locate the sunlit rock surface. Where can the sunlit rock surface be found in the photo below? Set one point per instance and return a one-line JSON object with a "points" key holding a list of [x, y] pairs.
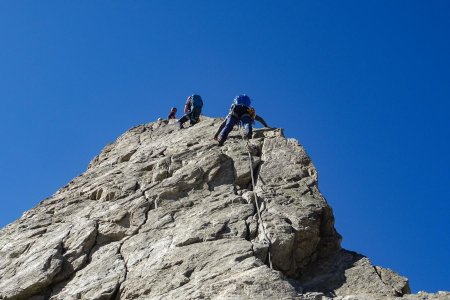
{"points": [[164, 213]]}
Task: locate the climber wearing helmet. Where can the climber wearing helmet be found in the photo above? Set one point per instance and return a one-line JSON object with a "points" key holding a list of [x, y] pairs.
{"points": [[172, 114], [240, 111]]}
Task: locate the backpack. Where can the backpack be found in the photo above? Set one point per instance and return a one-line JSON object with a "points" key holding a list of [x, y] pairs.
{"points": [[238, 111], [242, 100], [252, 112], [196, 102]]}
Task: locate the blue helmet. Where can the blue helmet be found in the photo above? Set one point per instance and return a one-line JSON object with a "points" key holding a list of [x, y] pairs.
{"points": [[242, 100]]}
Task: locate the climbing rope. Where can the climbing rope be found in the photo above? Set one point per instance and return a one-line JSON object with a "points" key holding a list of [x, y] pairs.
{"points": [[255, 196]]}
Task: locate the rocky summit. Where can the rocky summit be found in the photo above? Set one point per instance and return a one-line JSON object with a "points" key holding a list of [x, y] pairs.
{"points": [[164, 213]]}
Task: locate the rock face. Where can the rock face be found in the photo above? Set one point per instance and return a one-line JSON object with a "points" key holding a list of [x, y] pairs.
{"points": [[163, 213]]}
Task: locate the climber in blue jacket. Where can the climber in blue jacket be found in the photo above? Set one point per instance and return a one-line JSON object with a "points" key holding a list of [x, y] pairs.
{"points": [[240, 111]]}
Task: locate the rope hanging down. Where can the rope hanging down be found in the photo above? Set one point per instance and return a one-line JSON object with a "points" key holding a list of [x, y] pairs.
{"points": [[255, 196]]}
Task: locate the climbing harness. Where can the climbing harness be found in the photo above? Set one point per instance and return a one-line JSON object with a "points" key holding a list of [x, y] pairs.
{"points": [[255, 196]]}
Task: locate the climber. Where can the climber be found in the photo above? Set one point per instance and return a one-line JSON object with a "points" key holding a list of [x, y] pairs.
{"points": [[172, 113], [240, 111], [257, 118], [192, 110]]}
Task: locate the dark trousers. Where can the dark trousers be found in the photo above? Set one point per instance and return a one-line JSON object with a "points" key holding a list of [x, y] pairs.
{"points": [[231, 121], [193, 116]]}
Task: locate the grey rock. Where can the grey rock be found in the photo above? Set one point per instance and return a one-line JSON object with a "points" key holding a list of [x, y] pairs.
{"points": [[100, 279], [347, 273], [163, 213], [298, 219], [427, 296], [77, 243], [30, 269], [398, 283]]}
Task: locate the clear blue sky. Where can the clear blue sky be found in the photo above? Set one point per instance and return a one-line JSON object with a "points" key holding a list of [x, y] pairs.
{"points": [[363, 85]]}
